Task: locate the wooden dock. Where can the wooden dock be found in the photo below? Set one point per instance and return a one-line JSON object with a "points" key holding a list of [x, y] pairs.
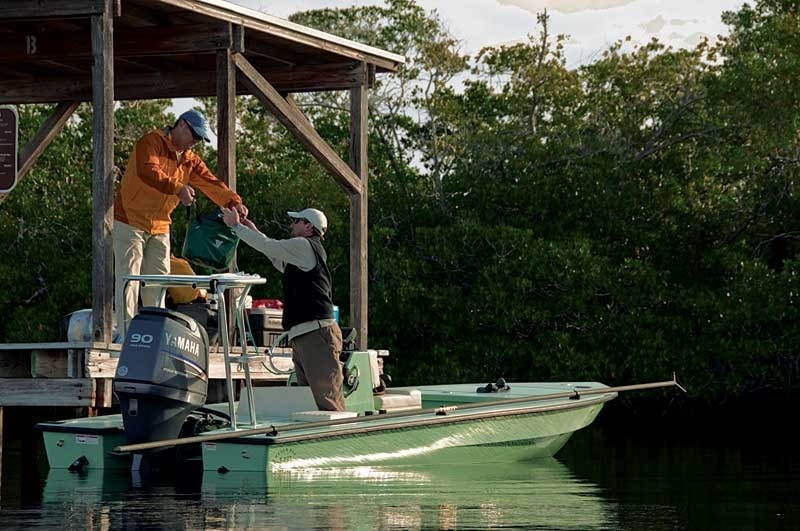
{"points": [[80, 374]]}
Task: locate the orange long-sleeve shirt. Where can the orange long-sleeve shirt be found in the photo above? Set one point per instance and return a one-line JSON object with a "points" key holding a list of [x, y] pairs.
{"points": [[149, 190]]}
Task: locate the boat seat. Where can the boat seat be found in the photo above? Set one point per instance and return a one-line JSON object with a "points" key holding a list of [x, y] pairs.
{"points": [[399, 400], [316, 415]]}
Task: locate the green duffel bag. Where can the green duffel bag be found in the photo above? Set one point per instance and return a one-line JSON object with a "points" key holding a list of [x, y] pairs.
{"points": [[209, 242]]}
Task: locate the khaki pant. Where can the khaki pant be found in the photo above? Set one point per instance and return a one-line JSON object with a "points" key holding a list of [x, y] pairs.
{"points": [[136, 252], [316, 364]]}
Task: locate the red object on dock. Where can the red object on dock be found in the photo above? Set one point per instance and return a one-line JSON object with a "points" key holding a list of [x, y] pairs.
{"points": [[276, 304]]}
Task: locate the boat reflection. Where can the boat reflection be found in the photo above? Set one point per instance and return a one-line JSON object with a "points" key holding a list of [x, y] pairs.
{"points": [[542, 493], [537, 494]]}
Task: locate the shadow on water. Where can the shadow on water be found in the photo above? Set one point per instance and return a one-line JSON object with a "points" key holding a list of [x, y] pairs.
{"points": [[724, 474]]}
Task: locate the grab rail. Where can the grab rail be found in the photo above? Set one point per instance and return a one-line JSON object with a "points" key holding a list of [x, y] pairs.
{"points": [[218, 283]]}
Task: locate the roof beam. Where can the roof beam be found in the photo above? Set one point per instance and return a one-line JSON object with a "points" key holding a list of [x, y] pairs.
{"points": [[176, 84], [286, 30], [22, 9], [296, 122], [140, 42], [45, 135]]}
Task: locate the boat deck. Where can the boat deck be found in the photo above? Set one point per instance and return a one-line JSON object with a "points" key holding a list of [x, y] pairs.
{"points": [[438, 404]]}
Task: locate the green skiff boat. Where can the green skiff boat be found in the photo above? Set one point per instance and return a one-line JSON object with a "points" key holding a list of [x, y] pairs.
{"points": [[279, 429]]}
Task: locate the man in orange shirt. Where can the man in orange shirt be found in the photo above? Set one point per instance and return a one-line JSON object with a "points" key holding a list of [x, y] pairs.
{"points": [[162, 171]]}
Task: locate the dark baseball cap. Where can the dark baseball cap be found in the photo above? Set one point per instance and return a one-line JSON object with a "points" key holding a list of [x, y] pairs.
{"points": [[198, 122]]}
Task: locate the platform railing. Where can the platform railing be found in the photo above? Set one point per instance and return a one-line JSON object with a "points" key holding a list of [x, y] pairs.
{"points": [[217, 284]]}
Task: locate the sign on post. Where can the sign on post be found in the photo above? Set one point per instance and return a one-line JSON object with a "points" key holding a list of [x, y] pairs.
{"points": [[9, 133]]}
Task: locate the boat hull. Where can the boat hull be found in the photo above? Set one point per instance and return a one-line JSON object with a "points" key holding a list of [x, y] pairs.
{"points": [[92, 439], [458, 424], [514, 434]]}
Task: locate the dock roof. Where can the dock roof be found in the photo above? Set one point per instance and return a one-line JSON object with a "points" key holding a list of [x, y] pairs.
{"points": [[167, 49]]}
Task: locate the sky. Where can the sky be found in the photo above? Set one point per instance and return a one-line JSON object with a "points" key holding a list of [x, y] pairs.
{"points": [[592, 25]]}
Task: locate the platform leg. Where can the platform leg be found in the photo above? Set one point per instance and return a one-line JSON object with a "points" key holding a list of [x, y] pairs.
{"points": [[1, 445]]}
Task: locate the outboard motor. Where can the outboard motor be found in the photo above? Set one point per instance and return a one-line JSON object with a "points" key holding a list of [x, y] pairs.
{"points": [[162, 374]]}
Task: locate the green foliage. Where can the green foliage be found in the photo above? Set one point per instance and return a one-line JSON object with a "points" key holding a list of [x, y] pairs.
{"points": [[46, 222]]}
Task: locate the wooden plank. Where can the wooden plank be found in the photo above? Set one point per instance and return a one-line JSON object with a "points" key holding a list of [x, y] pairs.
{"points": [[226, 118], [359, 135], [170, 84], [102, 365], [138, 42], [49, 364], [75, 363], [15, 364], [258, 372], [295, 121], [226, 136], [62, 345], [103, 173], [19, 9], [237, 44], [1, 443], [45, 135], [47, 392], [104, 392], [295, 33]]}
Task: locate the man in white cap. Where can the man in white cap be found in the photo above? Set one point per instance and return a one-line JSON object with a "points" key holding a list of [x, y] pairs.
{"points": [[315, 337], [162, 171]]}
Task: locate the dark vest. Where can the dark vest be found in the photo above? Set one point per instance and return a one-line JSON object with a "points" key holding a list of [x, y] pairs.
{"points": [[307, 294]]}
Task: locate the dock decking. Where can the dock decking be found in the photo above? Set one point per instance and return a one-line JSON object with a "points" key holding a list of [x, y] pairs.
{"points": [[80, 374]]}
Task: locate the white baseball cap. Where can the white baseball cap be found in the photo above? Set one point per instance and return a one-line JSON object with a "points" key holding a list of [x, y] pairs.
{"points": [[313, 216]]}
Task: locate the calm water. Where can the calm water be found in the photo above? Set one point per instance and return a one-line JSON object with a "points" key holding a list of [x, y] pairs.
{"points": [[603, 479]]}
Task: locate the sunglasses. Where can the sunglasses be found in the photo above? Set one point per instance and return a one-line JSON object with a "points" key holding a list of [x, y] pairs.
{"points": [[195, 136]]}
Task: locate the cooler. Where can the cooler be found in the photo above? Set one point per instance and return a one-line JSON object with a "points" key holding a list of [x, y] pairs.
{"points": [[265, 324]]}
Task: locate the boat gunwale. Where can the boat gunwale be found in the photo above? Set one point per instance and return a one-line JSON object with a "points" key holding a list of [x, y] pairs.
{"points": [[351, 428], [87, 430], [464, 416]]}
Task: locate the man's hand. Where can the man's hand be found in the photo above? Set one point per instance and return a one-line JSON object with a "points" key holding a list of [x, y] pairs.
{"points": [[230, 216], [241, 209], [186, 195]]}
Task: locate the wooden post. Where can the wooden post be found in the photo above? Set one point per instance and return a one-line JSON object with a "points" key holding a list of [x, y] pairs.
{"points": [[226, 143], [358, 214], [103, 172], [1, 445], [226, 115]]}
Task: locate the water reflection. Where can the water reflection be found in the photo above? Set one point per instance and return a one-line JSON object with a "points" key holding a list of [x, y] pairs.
{"points": [[543, 494], [616, 479], [536, 494]]}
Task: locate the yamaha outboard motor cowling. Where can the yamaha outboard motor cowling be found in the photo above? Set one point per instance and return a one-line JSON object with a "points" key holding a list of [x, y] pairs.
{"points": [[162, 374]]}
